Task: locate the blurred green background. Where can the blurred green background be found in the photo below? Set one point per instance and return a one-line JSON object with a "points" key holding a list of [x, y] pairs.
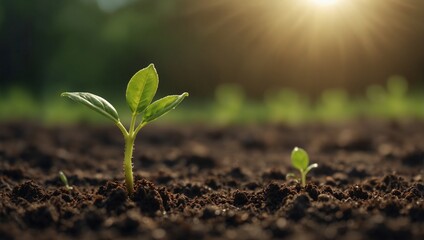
{"points": [[241, 60]]}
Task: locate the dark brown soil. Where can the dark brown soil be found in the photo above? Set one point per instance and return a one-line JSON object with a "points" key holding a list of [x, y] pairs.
{"points": [[196, 182]]}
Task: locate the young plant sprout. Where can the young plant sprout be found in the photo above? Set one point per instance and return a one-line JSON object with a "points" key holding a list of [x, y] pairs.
{"points": [[300, 160], [64, 180], [140, 92]]}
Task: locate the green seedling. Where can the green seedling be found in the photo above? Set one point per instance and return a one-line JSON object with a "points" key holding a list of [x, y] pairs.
{"points": [[64, 180], [139, 95], [300, 161]]}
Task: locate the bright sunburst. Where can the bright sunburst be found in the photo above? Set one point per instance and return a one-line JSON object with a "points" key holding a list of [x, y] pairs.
{"points": [[324, 2]]}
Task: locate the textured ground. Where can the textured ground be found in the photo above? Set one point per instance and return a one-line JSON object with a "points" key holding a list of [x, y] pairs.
{"points": [[197, 182]]}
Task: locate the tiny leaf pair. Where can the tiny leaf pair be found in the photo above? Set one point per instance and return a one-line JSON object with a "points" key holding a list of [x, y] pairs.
{"points": [[300, 161], [140, 92]]}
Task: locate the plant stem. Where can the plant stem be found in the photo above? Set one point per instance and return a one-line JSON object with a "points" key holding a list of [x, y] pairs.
{"points": [[140, 126], [128, 153], [122, 128], [129, 179], [303, 178]]}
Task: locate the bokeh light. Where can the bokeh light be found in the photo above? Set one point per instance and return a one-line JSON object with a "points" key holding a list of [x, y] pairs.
{"points": [[307, 46], [324, 2]]}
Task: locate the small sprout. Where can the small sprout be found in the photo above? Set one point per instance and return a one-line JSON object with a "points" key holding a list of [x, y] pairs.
{"points": [[139, 95], [64, 180], [300, 160], [291, 176]]}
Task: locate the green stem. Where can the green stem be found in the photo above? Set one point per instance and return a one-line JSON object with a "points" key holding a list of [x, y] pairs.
{"points": [[303, 176], [139, 127], [132, 124], [129, 149], [122, 128], [128, 166]]}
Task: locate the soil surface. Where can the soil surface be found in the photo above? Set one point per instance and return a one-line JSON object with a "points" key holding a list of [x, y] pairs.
{"points": [[197, 182]]}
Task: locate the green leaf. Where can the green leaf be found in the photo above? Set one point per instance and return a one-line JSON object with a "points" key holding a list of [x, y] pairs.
{"points": [[142, 88], [299, 158], [162, 106], [94, 102], [315, 165]]}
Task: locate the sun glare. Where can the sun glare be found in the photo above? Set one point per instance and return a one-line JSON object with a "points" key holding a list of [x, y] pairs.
{"points": [[324, 2]]}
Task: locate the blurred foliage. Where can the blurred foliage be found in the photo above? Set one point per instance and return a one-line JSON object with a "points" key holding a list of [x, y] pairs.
{"points": [[296, 107], [229, 101], [241, 60], [335, 104], [51, 46], [17, 103], [230, 105], [393, 100]]}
